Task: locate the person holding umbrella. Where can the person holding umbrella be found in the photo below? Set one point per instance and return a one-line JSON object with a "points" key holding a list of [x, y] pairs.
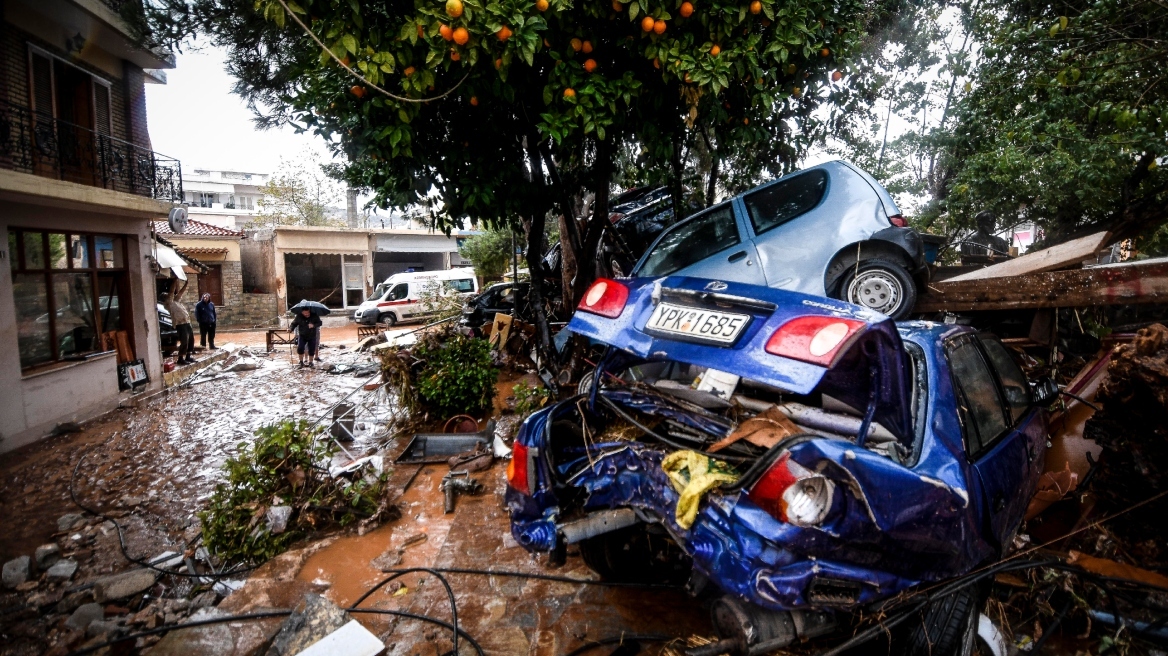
{"points": [[306, 324]]}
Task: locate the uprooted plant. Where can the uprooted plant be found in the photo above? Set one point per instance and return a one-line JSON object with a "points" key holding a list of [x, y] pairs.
{"points": [[278, 490], [444, 374]]}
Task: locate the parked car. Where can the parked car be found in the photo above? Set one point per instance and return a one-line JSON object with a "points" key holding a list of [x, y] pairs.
{"points": [[829, 230], [500, 298], [917, 448], [167, 335], [637, 218]]}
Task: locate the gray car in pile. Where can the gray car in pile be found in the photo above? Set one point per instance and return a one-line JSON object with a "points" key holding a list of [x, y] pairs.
{"points": [[828, 230]]}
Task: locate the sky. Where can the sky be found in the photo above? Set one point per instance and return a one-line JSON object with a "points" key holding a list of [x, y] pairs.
{"points": [[196, 119]]}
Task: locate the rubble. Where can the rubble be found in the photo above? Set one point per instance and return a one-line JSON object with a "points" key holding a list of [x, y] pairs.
{"points": [[85, 615], [126, 584], [315, 618], [47, 554], [61, 571], [16, 571], [68, 521]]}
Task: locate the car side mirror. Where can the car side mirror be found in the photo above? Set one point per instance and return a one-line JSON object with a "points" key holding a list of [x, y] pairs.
{"points": [[1045, 390]]}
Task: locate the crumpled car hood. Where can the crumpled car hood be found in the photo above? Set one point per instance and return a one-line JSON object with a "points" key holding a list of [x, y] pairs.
{"points": [[874, 367]]}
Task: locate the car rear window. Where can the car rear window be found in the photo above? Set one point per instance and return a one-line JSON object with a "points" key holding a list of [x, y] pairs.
{"points": [[775, 205], [981, 407], [692, 241]]}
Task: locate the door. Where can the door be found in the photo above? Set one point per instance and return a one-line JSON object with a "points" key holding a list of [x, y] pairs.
{"points": [[212, 283], [709, 245], [996, 450], [354, 284]]}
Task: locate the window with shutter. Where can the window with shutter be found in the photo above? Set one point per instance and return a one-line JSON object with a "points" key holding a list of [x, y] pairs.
{"points": [[101, 104], [42, 84]]}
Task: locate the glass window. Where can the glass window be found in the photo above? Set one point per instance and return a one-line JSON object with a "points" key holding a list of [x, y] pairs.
{"points": [[399, 292], [79, 251], [109, 252], [461, 285], [982, 407], [73, 295], [34, 250], [109, 292], [33, 335], [785, 200], [58, 255], [692, 241], [1014, 383]]}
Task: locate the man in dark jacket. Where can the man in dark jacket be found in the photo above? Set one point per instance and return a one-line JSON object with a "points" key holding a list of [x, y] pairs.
{"points": [[205, 315], [307, 327]]}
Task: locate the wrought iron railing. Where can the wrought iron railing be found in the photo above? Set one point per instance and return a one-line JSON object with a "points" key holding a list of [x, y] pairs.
{"points": [[34, 143]]}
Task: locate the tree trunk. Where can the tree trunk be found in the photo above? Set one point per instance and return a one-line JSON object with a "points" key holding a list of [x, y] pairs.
{"points": [[535, 238], [675, 179], [715, 160], [602, 170]]}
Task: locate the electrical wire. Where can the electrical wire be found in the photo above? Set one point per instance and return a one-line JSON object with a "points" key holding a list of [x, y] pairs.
{"points": [[651, 433], [442, 579], [1081, 400], [620, 639]]}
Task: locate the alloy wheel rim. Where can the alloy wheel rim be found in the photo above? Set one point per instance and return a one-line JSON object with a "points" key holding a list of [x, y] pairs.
{"points": [[876, 290]]}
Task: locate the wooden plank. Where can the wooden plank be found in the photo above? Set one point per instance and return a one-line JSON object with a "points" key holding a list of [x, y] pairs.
{"points": [[125, 351], [1113, 284], [1059, 256]]}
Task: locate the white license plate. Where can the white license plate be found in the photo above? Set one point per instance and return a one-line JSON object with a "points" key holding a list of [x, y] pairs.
{"points": [[697, 323]]}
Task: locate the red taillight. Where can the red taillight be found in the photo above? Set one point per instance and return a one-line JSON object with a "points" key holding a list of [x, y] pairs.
{"points": [[817, 339], [615, 216], [606, 298], [517, 469], [898, 221], [794, 494]]}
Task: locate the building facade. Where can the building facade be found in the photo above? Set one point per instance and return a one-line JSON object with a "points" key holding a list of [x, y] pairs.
{"points": [[80, 186], [228, 199]]}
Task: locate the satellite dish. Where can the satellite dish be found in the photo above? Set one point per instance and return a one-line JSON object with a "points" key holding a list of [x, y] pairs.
{"points": [[177, 220]]}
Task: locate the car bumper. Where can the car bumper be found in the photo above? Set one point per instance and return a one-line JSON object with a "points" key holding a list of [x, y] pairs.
{"points": [[366, 317]]}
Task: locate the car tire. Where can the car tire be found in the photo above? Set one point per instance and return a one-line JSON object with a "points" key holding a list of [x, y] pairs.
{"points": [[880, 284], [388, 319], [635, 555], [946, 627]]}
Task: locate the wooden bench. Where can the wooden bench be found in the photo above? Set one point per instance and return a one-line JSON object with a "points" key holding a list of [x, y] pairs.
{"points": [[278, 337], [370, 331]]}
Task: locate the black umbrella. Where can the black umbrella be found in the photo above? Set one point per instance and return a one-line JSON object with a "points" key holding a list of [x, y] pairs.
{"points": [[316, 308]]}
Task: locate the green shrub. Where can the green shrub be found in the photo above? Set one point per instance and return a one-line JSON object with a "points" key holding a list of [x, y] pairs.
{"points": [[457, 375], [282, 467], [528, 399]]}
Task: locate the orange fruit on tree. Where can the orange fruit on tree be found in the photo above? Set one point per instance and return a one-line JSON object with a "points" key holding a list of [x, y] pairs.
{"points": [[836, 76], [474, 100], [825, 53], [686, 10], [797, 92], [656, 63], [345, 60], [715, 51], [446, 32], [746, 121], [659, 27], [421, 33], [504, 33], [586, 47], [688, 79], [461, 36], [617, 6], [577, 44], [791, 69], [498, 64], [454, 56], [756, 7], [541, 5], [358, 91], [647, 23], [569, 92], [454, 8], [590, 65], [766, 22], [409, 71]]}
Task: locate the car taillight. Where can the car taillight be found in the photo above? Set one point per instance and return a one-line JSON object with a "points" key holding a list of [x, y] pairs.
{"points": [[606, 298], [794, 494], [615, 216], [816, 339], [517, 469], [898, 221]]}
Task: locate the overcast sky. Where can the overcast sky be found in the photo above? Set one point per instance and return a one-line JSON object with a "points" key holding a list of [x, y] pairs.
{"points": [[196, 119]]}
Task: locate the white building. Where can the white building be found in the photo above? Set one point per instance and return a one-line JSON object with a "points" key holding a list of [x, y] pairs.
{"points": [[229, 199]]}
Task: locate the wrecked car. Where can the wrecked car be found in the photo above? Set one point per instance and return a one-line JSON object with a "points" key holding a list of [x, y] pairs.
{"points": [[829, 230], [803, 456]]}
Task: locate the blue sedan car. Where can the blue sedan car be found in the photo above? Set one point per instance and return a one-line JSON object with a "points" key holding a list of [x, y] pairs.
{"points": [[915, 450], [828, 230]]}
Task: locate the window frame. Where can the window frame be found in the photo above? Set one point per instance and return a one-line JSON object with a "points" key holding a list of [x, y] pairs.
{"points": [[35, 50], [963, 405], [47, 271], [781, 181], [727, 205]]}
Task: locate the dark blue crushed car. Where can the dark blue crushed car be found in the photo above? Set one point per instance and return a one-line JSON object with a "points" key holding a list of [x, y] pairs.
{"points": [[918, 448]]}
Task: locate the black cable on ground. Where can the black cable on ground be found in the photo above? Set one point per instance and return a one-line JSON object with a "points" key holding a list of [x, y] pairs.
{"points": [[176, 627], [1081, 400], [616, 640], [442, 579], [424, 618], [554, 578]]}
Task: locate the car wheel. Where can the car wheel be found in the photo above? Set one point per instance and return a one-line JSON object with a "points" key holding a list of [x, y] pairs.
{"points": [[946, 627], [879, 284], [635, 555], [388, 319]]}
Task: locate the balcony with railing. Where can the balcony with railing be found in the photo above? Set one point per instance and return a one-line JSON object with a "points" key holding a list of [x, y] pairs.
{"points": [[31, 142]]}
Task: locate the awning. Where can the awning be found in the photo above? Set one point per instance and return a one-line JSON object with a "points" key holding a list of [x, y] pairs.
{"points": [[159, 242], [169, 259]]}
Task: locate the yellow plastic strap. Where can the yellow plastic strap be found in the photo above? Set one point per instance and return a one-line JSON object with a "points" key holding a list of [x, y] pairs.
{"points": [[693, 475]]}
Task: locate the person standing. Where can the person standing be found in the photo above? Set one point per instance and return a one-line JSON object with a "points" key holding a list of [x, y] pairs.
{"points": [[181, 318], [205, 315], [306, 324]]}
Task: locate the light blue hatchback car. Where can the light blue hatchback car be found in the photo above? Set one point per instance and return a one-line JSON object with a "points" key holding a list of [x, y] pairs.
{"points": [[828, 230]]}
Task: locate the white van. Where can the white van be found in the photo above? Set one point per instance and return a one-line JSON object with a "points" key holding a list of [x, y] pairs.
{"points": [[399, 297]]}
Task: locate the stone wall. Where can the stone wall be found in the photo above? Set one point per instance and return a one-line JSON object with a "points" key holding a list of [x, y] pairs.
{"points": [[239, 309]]}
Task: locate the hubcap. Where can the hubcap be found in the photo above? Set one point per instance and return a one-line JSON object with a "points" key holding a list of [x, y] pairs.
{"points": [[876, 289]]}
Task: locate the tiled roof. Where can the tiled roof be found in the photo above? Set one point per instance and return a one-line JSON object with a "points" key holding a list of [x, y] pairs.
{"points": [[196, 229]]}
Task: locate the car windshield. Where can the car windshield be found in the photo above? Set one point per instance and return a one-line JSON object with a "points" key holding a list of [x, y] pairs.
{"points": [[692, 241]]}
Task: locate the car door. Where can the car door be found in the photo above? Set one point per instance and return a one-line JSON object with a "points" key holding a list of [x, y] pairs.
{"points": [[800, 222], [709, 245], [397, 301], [995, 448]]}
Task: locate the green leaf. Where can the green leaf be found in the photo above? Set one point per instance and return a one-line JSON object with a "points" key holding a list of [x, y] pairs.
{"points": [[634, 10], [401, 114], [350, 43], [1054, 29], [296, 8], [1062, 22]]}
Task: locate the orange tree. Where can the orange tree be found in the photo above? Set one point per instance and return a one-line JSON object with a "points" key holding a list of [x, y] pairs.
{"points": [[502, 111]]}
